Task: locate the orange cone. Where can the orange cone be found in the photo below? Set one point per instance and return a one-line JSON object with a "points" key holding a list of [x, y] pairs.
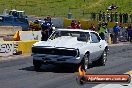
{"points": [[16, 37]]}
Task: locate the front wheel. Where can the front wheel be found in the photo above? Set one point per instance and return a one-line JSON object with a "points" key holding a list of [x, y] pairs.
{"points": [[37, 64], [85, 62]]}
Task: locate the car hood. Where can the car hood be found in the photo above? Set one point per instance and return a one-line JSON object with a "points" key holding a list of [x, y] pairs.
{"points": [[67, 42]]}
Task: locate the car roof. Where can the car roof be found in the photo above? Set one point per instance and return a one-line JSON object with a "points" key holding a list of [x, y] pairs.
{"points": [[81, 30]]}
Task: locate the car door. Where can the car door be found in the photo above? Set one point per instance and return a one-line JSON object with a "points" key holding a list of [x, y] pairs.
{"points": [[95, 45]]}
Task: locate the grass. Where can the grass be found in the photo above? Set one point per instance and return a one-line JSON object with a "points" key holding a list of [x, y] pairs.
{"points": [[61, 8]]}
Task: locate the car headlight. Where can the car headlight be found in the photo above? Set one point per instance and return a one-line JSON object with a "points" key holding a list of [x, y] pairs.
{"points": [[78, 53]]}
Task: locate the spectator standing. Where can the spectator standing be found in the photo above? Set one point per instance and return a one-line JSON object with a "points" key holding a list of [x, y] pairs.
{"points": [[116, 17], [120, 17], [49, 23], [73, 24], [116, 30], [131, 18], [78, 25], [126, 16], [112, 16], [102, 30], [48, 18], [129, 31], [98, 27], [92, 27], [50, 29], [103, 16], [108, 16], [123, 32], [44, 32], [93, 15], [107, 31], [100, 16]]}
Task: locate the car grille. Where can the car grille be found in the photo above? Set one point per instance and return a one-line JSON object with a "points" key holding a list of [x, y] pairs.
{"points": [[54, 51]]}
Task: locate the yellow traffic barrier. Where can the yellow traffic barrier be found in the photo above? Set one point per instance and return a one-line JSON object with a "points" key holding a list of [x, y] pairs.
{"points": [[84, 23], [67, 22], [8, 48], [25, 46]]}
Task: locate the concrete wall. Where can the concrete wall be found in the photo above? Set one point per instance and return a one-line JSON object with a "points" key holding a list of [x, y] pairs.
{"points": [[9, 30], [8, 48], [30, 35], [12, 47], [58, 22]]}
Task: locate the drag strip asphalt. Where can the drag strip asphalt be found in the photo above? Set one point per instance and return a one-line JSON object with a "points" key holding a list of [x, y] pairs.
{"points": [[19, 73]]}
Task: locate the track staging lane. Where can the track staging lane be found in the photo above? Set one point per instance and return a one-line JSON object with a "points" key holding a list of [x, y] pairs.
{"points": [[19, 73]]}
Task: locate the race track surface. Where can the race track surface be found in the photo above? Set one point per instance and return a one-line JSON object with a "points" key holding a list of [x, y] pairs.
{"points": [[20, 73]]}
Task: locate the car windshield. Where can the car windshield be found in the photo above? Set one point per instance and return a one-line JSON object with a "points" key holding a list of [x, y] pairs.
{"points": [[57, 34]]}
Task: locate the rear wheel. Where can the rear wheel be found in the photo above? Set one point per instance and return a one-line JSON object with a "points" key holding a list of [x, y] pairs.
{"points": [[103, 58], [37, 64]]}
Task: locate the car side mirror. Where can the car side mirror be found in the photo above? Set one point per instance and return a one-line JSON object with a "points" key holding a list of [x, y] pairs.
{"points": [[84, 39]]}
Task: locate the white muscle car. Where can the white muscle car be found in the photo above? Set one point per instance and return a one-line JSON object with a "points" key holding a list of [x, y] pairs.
{"points": [[70, 46]]}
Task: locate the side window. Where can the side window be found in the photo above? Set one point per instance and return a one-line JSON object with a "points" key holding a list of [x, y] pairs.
{"points": [[97, 36], [94, 37], [85, 35], [88, 36]]}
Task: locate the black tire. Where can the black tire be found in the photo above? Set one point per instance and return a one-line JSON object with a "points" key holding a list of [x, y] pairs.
{"points": [[102, 60], [37, 64], [85, 62]]}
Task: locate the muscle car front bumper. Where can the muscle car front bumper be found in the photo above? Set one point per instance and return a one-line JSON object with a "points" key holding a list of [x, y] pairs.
{"points": [[56, 59]]}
